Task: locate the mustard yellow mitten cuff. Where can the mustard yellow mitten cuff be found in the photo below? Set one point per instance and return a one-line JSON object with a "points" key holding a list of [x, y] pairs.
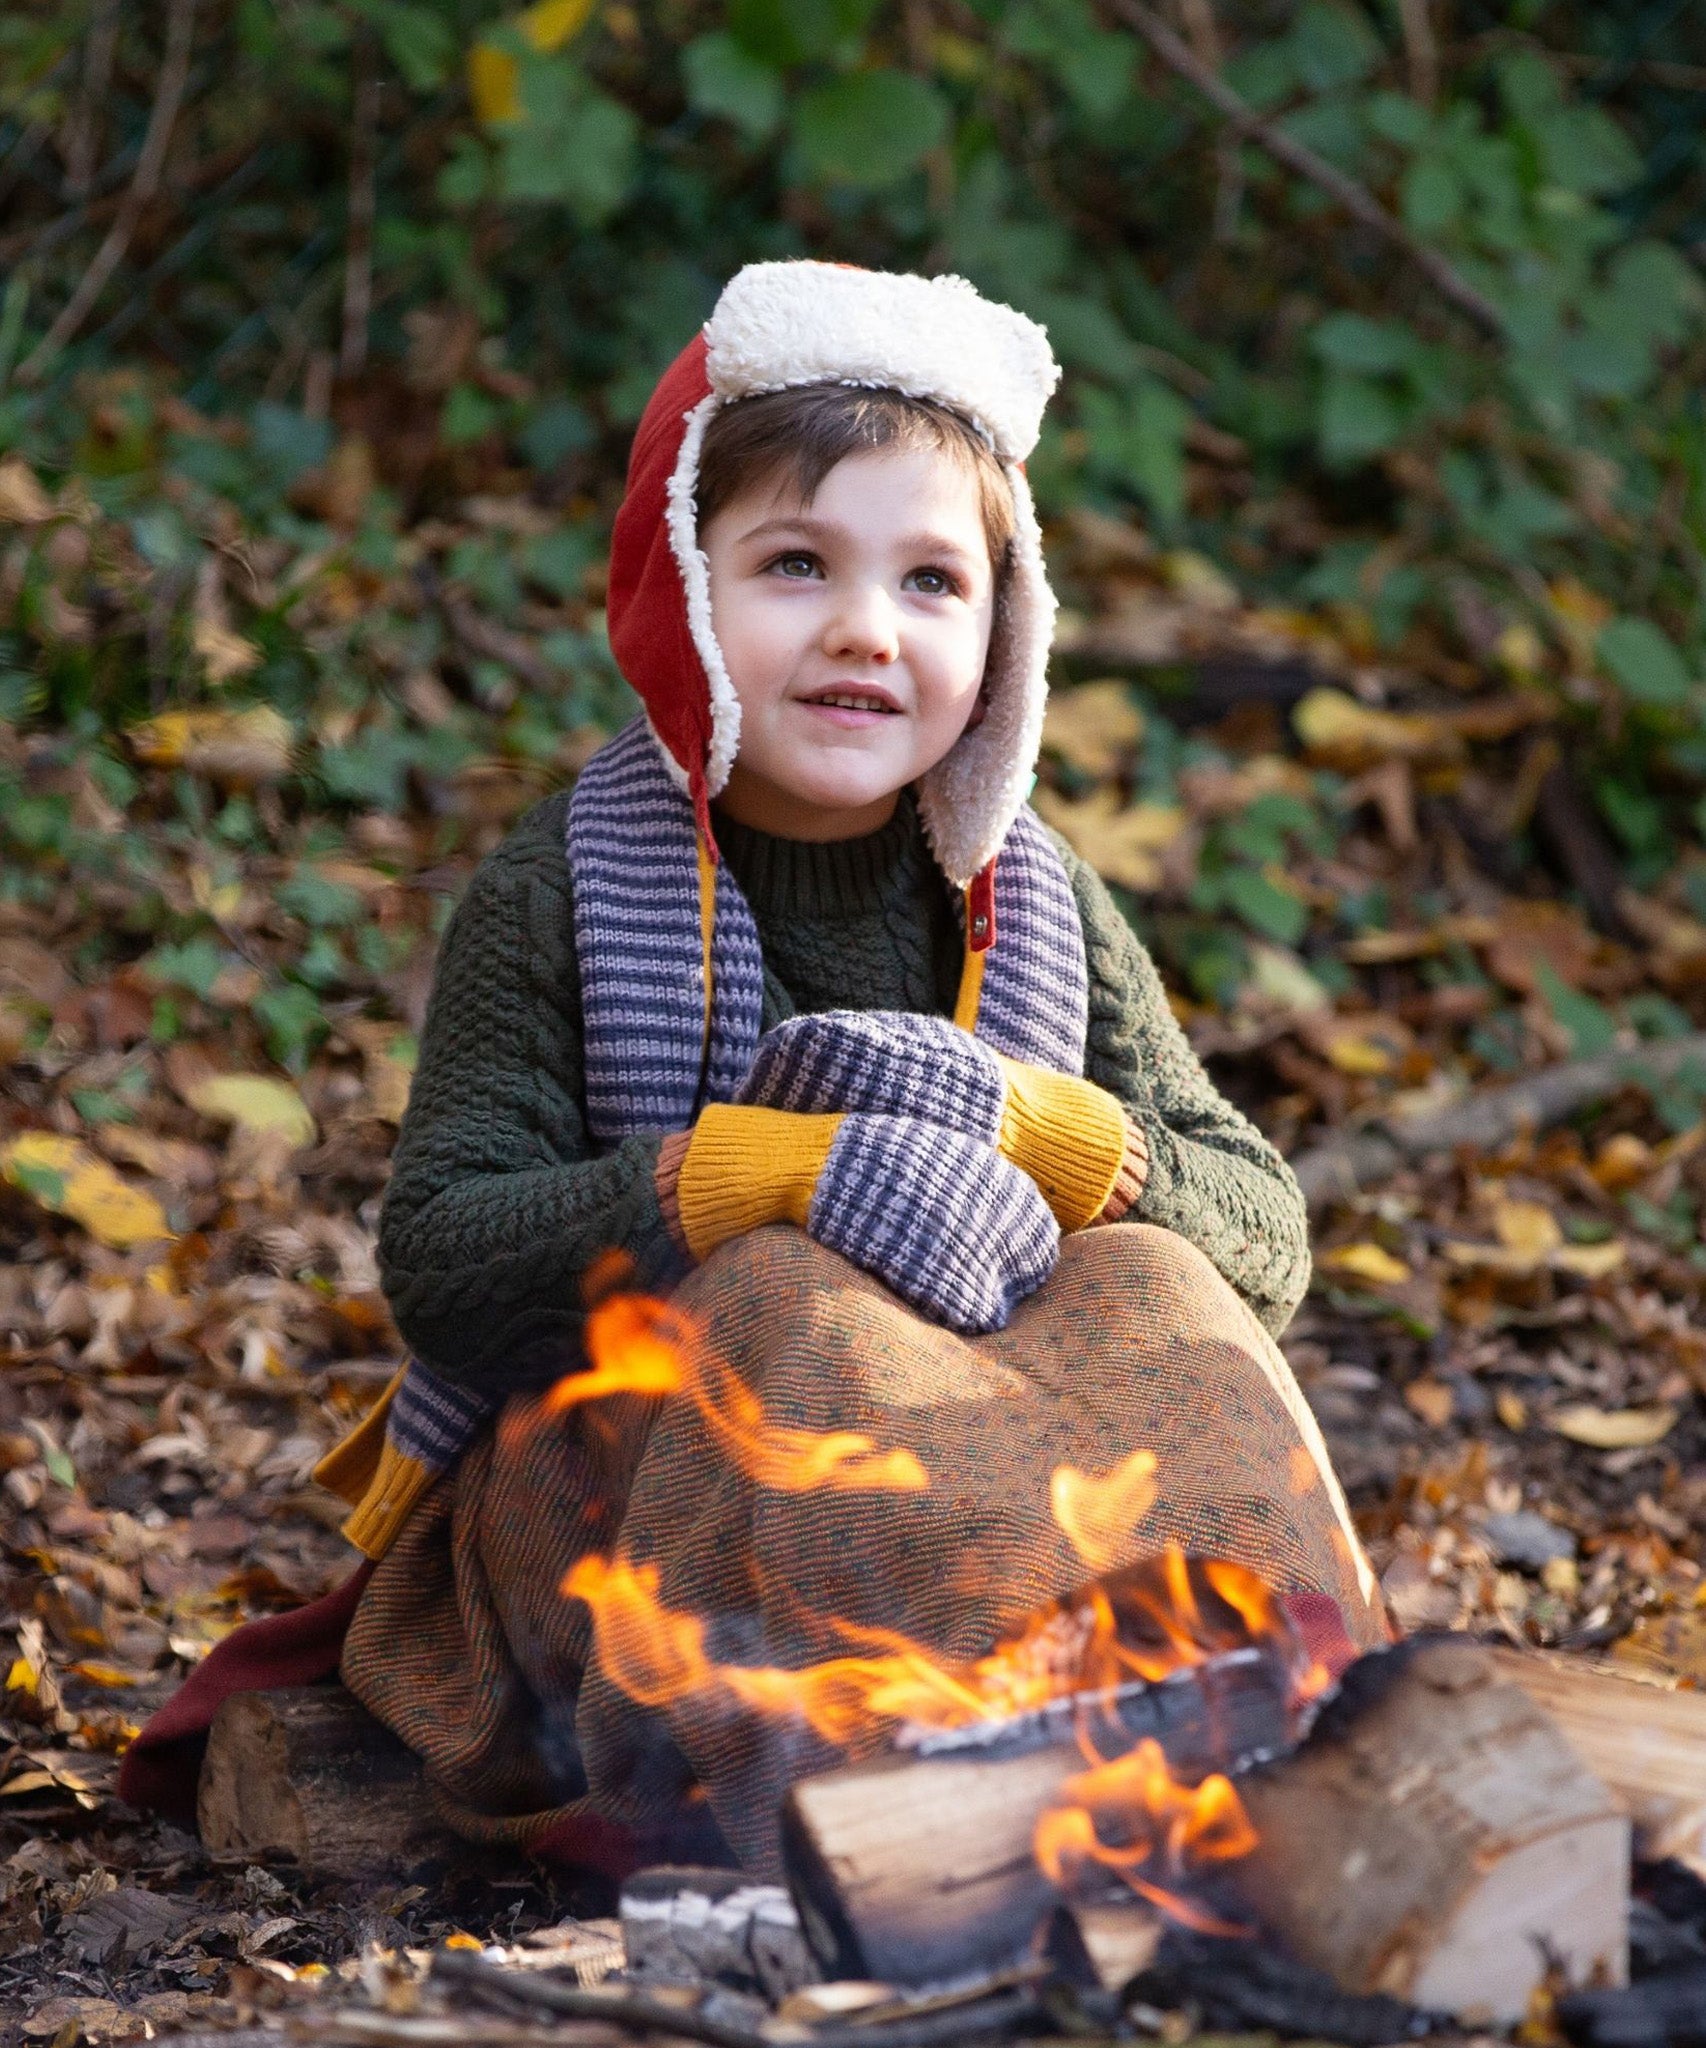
{"points": [[1067, 1134], [746, 1167]]}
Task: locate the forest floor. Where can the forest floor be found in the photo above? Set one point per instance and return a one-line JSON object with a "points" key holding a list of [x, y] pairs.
{"points": [[1367, 883]]}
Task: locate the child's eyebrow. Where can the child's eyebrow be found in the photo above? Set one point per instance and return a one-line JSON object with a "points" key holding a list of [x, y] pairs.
{"points": [[806, 527]]}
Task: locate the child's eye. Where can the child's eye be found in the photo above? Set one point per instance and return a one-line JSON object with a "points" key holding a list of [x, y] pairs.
{"points": [[932, 583], [795, 564]]}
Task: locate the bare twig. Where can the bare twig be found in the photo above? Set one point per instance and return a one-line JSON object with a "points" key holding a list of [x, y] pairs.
{"points": [[637, 2013], [82, 131], [168, 95], [1357, 200], [1421, 51], [1489, 1120], [358, 248]]}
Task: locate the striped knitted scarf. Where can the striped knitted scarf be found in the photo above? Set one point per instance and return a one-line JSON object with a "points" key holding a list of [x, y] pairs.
{"points": [[672, 985]]}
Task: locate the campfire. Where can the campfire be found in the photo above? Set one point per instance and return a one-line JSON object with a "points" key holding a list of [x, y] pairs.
{"points": [[1153, 1757]]}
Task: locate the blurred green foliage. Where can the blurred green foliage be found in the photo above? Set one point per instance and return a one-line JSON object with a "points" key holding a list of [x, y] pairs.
{"points": [[556, 196]]}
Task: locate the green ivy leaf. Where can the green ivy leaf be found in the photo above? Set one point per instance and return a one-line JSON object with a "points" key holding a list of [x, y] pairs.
{"points": [[1265, 907], [575, 144], [1432, 195], [725, 79], [1357, 420], [870, 128], [420, 42], [1591, 1026], [1645, 662], [1349, 341], [782, 32]]}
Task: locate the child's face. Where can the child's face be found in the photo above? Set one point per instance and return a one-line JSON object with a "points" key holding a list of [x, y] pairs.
{"points": [[855, 631]]}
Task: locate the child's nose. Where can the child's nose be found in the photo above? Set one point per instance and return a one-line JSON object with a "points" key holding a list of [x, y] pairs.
{"points": [[863, 626]]}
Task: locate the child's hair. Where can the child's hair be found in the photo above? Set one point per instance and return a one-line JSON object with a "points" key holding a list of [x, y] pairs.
{"points": [[802, 433]]}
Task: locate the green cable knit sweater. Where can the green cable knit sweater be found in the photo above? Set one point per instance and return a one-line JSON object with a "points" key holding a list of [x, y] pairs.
{"points": [[497, 1202]]}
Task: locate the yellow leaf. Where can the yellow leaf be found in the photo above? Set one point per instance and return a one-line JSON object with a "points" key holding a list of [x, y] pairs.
{"points": [[254, 1102], [1527, 1228], [23, 1676], [1122, 845], [23, 502], [494, 80], [1093, 726], [1613, 1429], [1199, 581], [1520, 650], [233, 746], [66, 1177], [1512, 1409], [1591, 1261], [107, 1674], [1366, 1262], [1340, 732], [461, 1940], [494, 77]]}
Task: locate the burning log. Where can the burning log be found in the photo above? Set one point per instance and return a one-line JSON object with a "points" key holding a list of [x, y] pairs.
{"points": [[919, 1868], [1436, 1836], [307, 1773]]}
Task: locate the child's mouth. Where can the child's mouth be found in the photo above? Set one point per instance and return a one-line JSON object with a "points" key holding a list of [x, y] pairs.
{"points": [[852, 708]]}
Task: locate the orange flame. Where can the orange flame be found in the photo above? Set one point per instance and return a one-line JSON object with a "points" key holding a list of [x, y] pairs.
{"points": [[1164, 1823], [639, 1345], [657, 1655], [1097, 1516]]}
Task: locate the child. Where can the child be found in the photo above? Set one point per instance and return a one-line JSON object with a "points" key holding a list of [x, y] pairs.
{"points": [[794, 1005]]}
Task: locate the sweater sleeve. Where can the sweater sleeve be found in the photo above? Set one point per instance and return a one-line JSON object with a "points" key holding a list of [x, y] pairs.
{"points": [[1213, 1177], [497, 1202]]}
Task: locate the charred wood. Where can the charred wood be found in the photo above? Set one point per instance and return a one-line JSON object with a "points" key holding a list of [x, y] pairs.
{"points": [[1247, 1984]]}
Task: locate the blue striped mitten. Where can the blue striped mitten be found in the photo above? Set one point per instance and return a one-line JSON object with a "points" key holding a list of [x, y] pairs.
{"points": [[943, 1220], [1070, 1137]]}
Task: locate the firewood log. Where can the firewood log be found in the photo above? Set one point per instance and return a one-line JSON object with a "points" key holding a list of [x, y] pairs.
{"points": [[307, 1773], [1644, 1742], [1435, 1836], [917, 1868]]}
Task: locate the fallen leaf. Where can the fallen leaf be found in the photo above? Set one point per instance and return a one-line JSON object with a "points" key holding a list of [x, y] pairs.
{"points": [[1366, 1262], [243, 747], [1622, 1161], [1339, 732], [23, 502], [1364, 1044], [1432, 1400], [1590, 1261], [1377, 949], [1532, 935], [68, 1178], [1092, 727], [253, 1102], [173, 1160], [1527, 1228], [225, 654], [1612, 1429], [1280, 977], [1511, 1409], [1122, 845]]}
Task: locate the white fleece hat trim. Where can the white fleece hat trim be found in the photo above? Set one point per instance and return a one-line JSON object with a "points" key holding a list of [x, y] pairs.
{"points": [[781, 325]]}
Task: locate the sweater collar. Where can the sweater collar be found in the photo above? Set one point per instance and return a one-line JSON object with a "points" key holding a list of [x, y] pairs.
{"points": [[823, 878]]}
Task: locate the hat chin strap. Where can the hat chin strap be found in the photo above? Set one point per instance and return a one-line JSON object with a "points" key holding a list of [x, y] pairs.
{"points": [[969, 800]]}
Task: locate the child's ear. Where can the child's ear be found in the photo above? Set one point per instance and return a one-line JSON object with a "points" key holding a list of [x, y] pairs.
{"points": [[980, 710]]}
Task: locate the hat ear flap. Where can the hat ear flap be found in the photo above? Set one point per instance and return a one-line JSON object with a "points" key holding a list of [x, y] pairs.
{"points": [[970, 798]]}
